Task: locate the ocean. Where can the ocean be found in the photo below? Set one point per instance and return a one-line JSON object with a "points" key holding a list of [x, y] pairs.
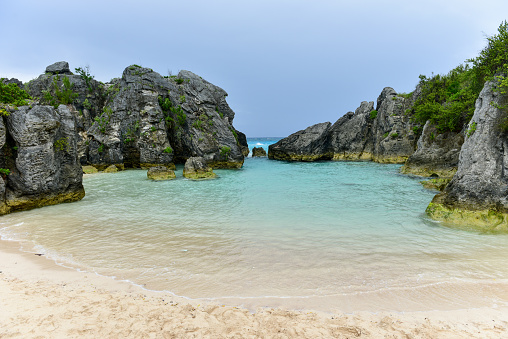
{"points": [[348, 236]]}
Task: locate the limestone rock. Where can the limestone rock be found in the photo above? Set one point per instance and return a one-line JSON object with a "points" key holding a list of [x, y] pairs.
{"points": [[197, 168], [350, 134], [89, 170], [42, 158], [258, 152], [436, 154], [160, 173], [61, 67], [306, 145], [384, 134], [111, 169], [478, 193]]}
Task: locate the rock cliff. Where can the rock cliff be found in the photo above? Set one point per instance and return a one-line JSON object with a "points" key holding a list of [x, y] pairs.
{"points": [[478, 193], [384, 134]]}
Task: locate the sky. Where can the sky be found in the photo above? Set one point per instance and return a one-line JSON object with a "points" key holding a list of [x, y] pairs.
{"points": [[285, 64]]}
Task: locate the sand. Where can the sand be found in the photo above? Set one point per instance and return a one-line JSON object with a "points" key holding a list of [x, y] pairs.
{"points": [[39, 299]]}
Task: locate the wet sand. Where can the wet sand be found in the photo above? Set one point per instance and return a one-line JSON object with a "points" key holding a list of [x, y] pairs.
{"points": [[41, 299]]}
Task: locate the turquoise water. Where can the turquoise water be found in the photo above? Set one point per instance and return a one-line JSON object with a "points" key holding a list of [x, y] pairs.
{"points": [[270, 234]]}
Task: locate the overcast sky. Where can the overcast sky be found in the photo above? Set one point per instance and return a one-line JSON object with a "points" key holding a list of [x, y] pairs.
{"points": [[286, 64]]}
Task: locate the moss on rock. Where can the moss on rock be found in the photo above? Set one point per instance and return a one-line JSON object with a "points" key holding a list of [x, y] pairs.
{"points": [[159, 173], [484, 220]]}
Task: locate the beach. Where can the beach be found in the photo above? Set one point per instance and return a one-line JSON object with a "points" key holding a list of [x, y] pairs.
{"points": [[39, 299]]}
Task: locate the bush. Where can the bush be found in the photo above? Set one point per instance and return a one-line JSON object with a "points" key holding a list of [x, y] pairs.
{"points": [[373, 114], [12, 94]]}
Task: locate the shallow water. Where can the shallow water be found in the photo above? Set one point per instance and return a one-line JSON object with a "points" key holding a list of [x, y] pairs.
{"points": [[271, 234]]}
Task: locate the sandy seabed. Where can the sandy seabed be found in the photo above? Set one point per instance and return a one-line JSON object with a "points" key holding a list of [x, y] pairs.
{"points": [[39, 299]]}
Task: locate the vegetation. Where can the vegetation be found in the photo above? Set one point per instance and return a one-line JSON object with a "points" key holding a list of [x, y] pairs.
{"points": [[448, 101], [472, 129], [62, 144], [225, 150], [373, 114], [58, 95], [168, 150], [85, 75], [5, 171], [12, 94]]}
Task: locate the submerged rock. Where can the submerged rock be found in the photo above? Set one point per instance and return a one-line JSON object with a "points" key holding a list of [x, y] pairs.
{"points": [[478, 193], [160, 173], [89, 170], [197, 168], [258, 152]]}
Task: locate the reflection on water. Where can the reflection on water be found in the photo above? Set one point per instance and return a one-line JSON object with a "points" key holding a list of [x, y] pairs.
{"points": [[322, 230]]}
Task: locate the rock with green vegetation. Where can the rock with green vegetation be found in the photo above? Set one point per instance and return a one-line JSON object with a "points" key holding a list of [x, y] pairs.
{"points": [[437, 154], [258, 152], [386, 136], [40, 157], [160, 173], [111, 169], [89, 169], [478, 193], [196, 168]]}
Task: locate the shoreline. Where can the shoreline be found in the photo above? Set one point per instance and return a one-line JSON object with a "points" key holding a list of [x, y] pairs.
{"points": [[40, 298]]}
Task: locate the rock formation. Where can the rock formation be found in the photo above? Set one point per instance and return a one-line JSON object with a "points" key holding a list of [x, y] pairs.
{"points": [[258, 152], [437, 155], [384, 134], [196, 168], [143, 119], [478, 193], [139, 120], [160, 173], [39, 149]]}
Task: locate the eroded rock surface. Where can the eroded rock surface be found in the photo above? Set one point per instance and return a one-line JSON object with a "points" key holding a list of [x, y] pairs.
{"points": [[41, 154], [196, 168], [436, 154], [478, 193], [384, 134], [258, 152]]}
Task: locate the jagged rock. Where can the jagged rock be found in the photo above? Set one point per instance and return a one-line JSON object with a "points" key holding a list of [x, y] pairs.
{"points": [[242, 141], [89, 170], [61, 67], [42, 158], [197, 168], [436, 154], [150, 120], [160, 173], [393, 137], [258, 152], [350, 134], [477, 196], [383, 135], [310, 144]]}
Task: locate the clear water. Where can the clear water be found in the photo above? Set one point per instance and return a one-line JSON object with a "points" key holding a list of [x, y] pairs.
{"points": [[274, 233]]}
